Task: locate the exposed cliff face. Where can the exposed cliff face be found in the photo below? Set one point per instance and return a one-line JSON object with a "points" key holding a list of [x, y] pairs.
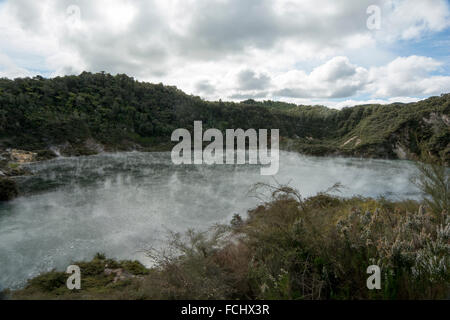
{"points": [[11, 161], [430, 134], [22, 156], [407, 137], [85, 148]]}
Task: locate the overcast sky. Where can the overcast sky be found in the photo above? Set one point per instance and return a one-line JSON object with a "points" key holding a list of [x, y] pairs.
{"points": [[329, 52]]}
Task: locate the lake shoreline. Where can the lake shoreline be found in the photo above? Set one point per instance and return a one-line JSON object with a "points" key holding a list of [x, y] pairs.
{"points": [[240, 273], [116, 202]]}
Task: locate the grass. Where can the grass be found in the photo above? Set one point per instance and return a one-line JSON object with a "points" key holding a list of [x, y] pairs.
{"points": [[13, 165], [96, 283]]}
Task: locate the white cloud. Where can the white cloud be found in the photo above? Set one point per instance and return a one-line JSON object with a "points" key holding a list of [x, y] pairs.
{"points": [[334, 79], [230, 48], [351, 102], [250, 80], [8, 69], [339, 78], [408, 76], [410, 19]]}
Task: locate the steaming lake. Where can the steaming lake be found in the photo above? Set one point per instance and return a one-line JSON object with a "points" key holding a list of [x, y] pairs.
{"points": [[122, 203]]}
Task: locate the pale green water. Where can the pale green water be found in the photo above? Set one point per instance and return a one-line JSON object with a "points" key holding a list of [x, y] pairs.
{"points": [[122, 203]]}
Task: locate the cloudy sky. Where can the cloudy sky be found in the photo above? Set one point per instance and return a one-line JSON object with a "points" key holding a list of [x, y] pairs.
{"points": [[329, 52]]}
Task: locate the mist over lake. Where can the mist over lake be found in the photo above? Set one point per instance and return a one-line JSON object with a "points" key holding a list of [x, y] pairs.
{"points": [[120, 204]]}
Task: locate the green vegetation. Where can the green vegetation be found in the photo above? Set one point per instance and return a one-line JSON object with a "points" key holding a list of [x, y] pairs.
{"points": [[80, 114], [101, 279], [8, 189], [287, 248], [435, 183]]}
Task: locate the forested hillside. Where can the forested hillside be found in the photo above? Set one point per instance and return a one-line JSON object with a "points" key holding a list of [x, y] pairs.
{"points": [[80, 114]]}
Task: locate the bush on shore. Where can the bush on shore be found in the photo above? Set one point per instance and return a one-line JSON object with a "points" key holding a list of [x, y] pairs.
{"points": [[101, 278], [288, 248], [8, 189]]}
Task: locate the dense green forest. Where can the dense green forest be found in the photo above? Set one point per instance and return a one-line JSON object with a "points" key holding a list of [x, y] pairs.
{"points": [[120, 113]]}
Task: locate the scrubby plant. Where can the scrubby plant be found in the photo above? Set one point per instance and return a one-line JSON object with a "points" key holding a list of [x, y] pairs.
{"points": [[314, 248], [96, 282], [291, 248], [190, 268], [434, 181]]}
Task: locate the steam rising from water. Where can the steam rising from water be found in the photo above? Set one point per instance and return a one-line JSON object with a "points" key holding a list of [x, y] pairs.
{"points": [[121, 203]]}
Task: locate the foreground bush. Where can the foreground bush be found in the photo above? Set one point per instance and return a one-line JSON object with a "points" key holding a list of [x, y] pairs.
{"points": [[101, 279], [291, 248]]}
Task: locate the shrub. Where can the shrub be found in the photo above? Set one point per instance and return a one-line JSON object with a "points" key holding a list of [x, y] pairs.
{"points": [[289, 248], [8, 189], [434, 181]]}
